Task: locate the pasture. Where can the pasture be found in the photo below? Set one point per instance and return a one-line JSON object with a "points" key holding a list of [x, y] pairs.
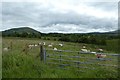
{"points": [[17, 63]]}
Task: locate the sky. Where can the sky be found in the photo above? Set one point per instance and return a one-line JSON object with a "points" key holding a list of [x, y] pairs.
{"points": [[61, 16]]}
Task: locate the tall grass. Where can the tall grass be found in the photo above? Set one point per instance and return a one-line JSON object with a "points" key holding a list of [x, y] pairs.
{"points": [[113, 45], [17, 64]]}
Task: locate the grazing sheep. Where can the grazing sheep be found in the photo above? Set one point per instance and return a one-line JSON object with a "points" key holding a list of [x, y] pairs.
{"points": [[103, 55], [40, 43], [84, 50], [100, 55], [6, 49], [55, 49], [50, 45], [35, 45], [84, 47], [60, 44], [30, 46], [43, 43], [100, 50]]}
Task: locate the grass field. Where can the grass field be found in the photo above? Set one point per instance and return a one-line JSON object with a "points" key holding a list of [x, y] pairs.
{"points": [[17, 64]]}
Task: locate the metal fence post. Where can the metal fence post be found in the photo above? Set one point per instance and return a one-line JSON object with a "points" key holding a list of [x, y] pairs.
{"points": [[44, 55], [78, 61], [41, 53]]}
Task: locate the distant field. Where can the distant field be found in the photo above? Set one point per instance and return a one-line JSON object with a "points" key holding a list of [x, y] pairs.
{"points": [[17, 64]]}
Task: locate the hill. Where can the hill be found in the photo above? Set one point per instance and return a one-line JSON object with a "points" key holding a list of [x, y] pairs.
{"points": [[31, 33], [21, 32], [111, 33], [114, 32]]}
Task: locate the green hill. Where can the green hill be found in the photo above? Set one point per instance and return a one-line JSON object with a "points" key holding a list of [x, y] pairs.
{"points": [[21, 32]]}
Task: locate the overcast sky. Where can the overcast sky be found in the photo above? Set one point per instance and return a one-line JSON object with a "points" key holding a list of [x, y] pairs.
{"points": [[63, 16]]}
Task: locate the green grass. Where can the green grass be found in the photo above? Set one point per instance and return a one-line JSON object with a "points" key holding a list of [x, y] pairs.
{"points": [[17, 64], [113, 45]]}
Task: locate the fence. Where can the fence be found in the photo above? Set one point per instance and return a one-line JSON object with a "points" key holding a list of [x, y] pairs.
{"points": [[66, 59]]}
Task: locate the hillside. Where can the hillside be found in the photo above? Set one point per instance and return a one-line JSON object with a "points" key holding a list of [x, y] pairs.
{"points": [[21, 32], [114, 32], [30, 31], [89, 38]]}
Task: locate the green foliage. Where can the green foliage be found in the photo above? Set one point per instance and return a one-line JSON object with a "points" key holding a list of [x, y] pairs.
{"points": [[89, 39]]}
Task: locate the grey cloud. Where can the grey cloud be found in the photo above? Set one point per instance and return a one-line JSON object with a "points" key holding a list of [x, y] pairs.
{"points": [[106, 6], [30, 14]]}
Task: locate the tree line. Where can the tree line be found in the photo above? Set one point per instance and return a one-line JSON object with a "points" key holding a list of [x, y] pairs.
{"points": [[99, 39]]}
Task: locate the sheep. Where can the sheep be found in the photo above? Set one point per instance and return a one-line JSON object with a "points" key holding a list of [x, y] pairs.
{"points": [[39, 43], [6, 48], [100, 50], [35, 45], [100, 55], [44, 43], [60, 44], [50, 45], [84, 50], [84, 47], [55, 49], [30, 46], [103, 55]]}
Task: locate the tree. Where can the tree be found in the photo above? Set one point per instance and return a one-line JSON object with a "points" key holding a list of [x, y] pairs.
{"points": [[24, 34]]}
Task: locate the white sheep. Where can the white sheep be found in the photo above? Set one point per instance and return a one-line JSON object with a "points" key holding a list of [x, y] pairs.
{"points": [[101, 50], [30, 46], [6, 49], [84, 50], [50, 45], [43, 43], [55, 49], [103, 55], [100, 55], [60, 44], [35, 45], [40, 43], [84, 46]]}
